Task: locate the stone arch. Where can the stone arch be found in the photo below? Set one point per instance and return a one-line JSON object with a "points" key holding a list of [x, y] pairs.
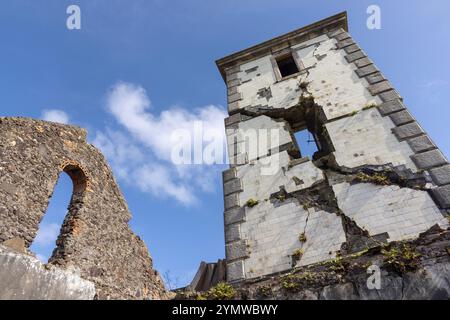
{"points": [[80, 185], [95, 236], [78, 175]]}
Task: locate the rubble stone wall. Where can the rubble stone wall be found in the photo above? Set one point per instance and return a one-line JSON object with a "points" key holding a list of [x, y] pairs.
{"points": [[95, 236]]}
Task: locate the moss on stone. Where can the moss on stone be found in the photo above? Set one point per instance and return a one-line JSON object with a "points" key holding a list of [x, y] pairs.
{"points": [[375, 178], [297, 254], [401, 258], [369, 106], [251, 203], [298, 281], [302, 237], [265, 291], [222, 291]]}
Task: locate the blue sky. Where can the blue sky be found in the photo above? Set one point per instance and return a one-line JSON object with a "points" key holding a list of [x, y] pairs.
{"points": [[156, 58]]}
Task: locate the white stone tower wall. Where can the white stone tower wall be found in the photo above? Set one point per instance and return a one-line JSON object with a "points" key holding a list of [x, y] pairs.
{"points": [[382, 172]]}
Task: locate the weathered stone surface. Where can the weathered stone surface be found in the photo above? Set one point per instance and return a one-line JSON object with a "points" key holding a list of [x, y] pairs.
{"points": [[352, 48], [336, 32], [389, 96], [339, 292], [441, 175], [233, 69], [379, 87], [375, 78], [234, 215], [408, 130], [23, 277], [431, 283], [232, 90], [363, 62], [425, 277], [384, 209], [401, 117], [236, 250], [232, 77], [429, 159], [229, 174], [233, 107], [95, 232], [355, 56], [235, 118], [235, 271], [233, 82], [364, 71], [442, 194], [342, 36], [208, 275], [231, 201], [234, 97], [16, 244], [232, 232], [232, 186], [238, 159], [8, 187], [391, 106], [421, 143], [291, 175], [345, 43], [391, 288]]}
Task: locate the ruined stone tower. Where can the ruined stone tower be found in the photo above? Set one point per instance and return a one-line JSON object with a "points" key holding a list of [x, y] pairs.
{"points": [[377, 177]]}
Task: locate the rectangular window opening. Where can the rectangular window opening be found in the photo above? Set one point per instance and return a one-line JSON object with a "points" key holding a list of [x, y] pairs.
{"points": [[286, 65]]}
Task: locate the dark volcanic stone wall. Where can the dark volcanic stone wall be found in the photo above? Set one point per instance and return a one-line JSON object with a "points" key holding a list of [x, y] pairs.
{"points": [[95, 236]]}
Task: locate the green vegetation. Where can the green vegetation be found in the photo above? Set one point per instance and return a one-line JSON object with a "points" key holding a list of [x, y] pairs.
{"points": [[359, 254], [302, 237], [337, 264], [369, 106], [295, 282], [221, 291], [375, 178], [297, 254], [402, 258], [265, 291], [251, 203]]}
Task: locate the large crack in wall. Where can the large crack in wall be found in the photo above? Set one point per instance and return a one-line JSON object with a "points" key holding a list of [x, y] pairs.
{"points": [[360, 232]]}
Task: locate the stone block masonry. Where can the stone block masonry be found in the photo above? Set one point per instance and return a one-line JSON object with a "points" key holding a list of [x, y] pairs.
{"points": [[95, 237], [377, 176], [23, 277]]}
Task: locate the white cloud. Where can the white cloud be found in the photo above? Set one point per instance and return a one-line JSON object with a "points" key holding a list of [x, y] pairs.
{"points": [[141, 153], [130, 105], [433, 91], [55, 115], [47, 234], [434, 83]]}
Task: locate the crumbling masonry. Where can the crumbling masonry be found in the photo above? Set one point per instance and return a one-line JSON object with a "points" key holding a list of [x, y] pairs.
{"points": [[376, 193], [97, 255], [377, 176]]}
